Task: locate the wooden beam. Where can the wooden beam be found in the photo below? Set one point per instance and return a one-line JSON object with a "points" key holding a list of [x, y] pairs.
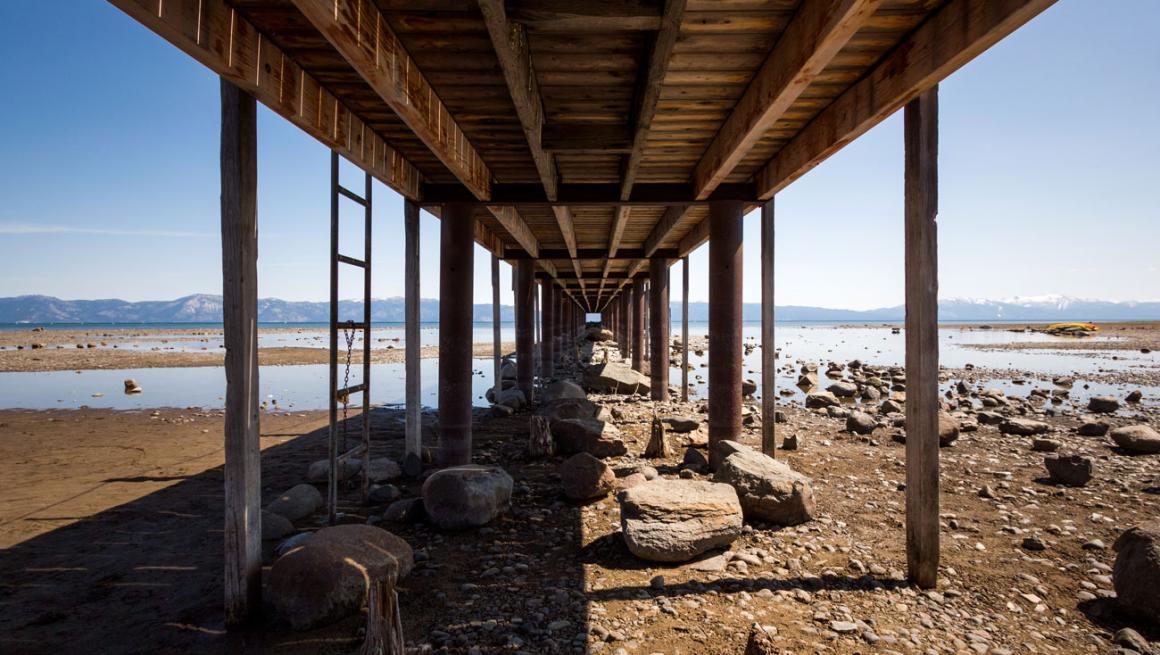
{"points": [[511, 221], [616, 230], [600, 16], [413, 437], [663, 228], [922, 397], [567, 228], [768, 344], [361, 34], [579, 138], [222, 40], [590, 253], [649, 91], [818, 31], [958, 32], [243, 458], [588, 194]]}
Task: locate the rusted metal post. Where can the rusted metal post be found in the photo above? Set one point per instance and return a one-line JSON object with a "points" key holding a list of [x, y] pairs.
{"points": [[496, 354], [525, 290], [922, 404], [685, 329], [456, 266], [725, 269], [659, 328], [768, 346], [413, 437], [637, 327], [547, 342]]}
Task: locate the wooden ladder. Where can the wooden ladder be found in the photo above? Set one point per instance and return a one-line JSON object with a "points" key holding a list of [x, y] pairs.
{"points": [[337, 191]]}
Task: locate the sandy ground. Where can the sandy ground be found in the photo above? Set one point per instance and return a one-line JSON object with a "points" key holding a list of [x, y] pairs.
{"points": [[110, 524]]}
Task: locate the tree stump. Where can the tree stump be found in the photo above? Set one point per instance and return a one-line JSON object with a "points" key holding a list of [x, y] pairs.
{"points": [[658, 445], [540, 443], [384, 623]]}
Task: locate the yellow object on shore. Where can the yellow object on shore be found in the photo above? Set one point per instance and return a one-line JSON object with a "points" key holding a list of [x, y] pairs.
{"points": [[1072, 328]]}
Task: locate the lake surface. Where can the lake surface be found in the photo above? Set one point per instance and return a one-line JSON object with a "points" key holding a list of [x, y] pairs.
{"points": [[304, 387]]}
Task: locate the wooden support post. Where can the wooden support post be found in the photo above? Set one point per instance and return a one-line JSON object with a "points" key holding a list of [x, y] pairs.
{"points": [[685, 329], [768, 346], [525, 289], [456, 266], [659, 328], [413, 438], [922, 403], [495, 335], [243, 463], [547, 341], [725, 262], [537, 322], [637, 326]]}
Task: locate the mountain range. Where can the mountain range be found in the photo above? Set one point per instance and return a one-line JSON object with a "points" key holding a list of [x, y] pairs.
{"points": [[204, 308]]}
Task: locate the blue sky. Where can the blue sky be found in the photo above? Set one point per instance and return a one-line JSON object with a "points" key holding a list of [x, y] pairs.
{"points": [[1049, 175]]}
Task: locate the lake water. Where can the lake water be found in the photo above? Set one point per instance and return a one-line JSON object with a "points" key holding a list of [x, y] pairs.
{"points": [[304, 387]]}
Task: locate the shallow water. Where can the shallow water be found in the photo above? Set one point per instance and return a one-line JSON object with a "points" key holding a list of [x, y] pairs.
{"points": [[304, 387]]}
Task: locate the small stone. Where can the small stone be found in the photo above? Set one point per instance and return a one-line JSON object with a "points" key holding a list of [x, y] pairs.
{"points": [[1070, 470], [843, 627], [1033, 543]]}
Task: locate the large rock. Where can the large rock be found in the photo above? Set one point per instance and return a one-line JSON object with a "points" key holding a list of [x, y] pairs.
{"points": [[1136, 573], [564, 389], [275, 527], [584, 477], [383, 469], [682, 424], [319, 471], [821, 399], [1070, 470], [466, 496], [615, 378], [326, 578], [843, 389], [567, 408], [860, 422], [948, 429], [512, 398], [748, 387], [596, 333], [1093, 429], [1103, 404], [769, 490], [297, 503], [1136, 439], [676, 520], [585, 435], [1023, 427]]}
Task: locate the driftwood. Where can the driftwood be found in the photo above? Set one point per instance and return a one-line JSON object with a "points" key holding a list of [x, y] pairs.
{"points": [[540, 443], [384, 623], [658, 444]]}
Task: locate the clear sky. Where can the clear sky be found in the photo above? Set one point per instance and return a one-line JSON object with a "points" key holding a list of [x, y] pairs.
{"points": [[1049, 176]]}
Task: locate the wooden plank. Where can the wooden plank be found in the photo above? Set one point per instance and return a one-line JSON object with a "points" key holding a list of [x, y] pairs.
{"points": [[598, 16], [820, 28], [663, 228], [515, 225], [361, 34], [574, 138], [768, 345], [413, 437], [216, 36], [922, 400], [589, 194], [660, 54], [958, 32], [243, 464]]}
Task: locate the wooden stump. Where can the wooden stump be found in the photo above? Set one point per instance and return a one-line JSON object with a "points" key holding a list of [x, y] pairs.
{"points": [[658, 445], [384, 623], [540, 443]]}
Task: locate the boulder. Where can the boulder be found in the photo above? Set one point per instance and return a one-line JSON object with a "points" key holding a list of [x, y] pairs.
{"points": [[1042, 445], [326, 578], [1103, 404], [1093, 429], [383, 469], [808, 380], [1023, 427], [297, 503], [585, 435], [769, 490], [843, 389], [564, 389], [1136, 573], [694, 460], [406, 510], [275, 527], [860, 422], [615, 378], [466, 496], [682, 424], [748, 387], [676, 520], [584, 477], [347, 468], [511, 398], [567, 408], [508, 370], [948, 429], [1140, 439], [1070, 470], [596, 333], [889, 406], [821, 399], [727, 447]]}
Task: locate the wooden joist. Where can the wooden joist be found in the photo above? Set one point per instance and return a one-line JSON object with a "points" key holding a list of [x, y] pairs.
{"points": [[511, 221], [958, 32], [361, 34], [600, 16], [664, 227], [586, 138], [820, 28], [215, 35], [589, 194]]}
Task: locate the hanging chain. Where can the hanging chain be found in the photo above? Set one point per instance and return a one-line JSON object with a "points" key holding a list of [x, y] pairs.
{"points": [[348, 332]]}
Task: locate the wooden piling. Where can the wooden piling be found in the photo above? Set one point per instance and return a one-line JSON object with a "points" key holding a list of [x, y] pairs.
{"points": [[525, 290], [659, 328], [413, 436], [685, 329], [768, 345]]}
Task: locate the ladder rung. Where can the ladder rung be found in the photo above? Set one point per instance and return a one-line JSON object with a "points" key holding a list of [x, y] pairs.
{"points": [[350, 325], [353, 452], [352, 261], [352, 195], [347, 391]]}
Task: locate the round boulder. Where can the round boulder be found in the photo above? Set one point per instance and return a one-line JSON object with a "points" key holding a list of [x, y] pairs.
{"points": [[1140, 439], [768, 489], [1103, 404], [297, 503], [466, 496], [584, 477], [1136, 573]]}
